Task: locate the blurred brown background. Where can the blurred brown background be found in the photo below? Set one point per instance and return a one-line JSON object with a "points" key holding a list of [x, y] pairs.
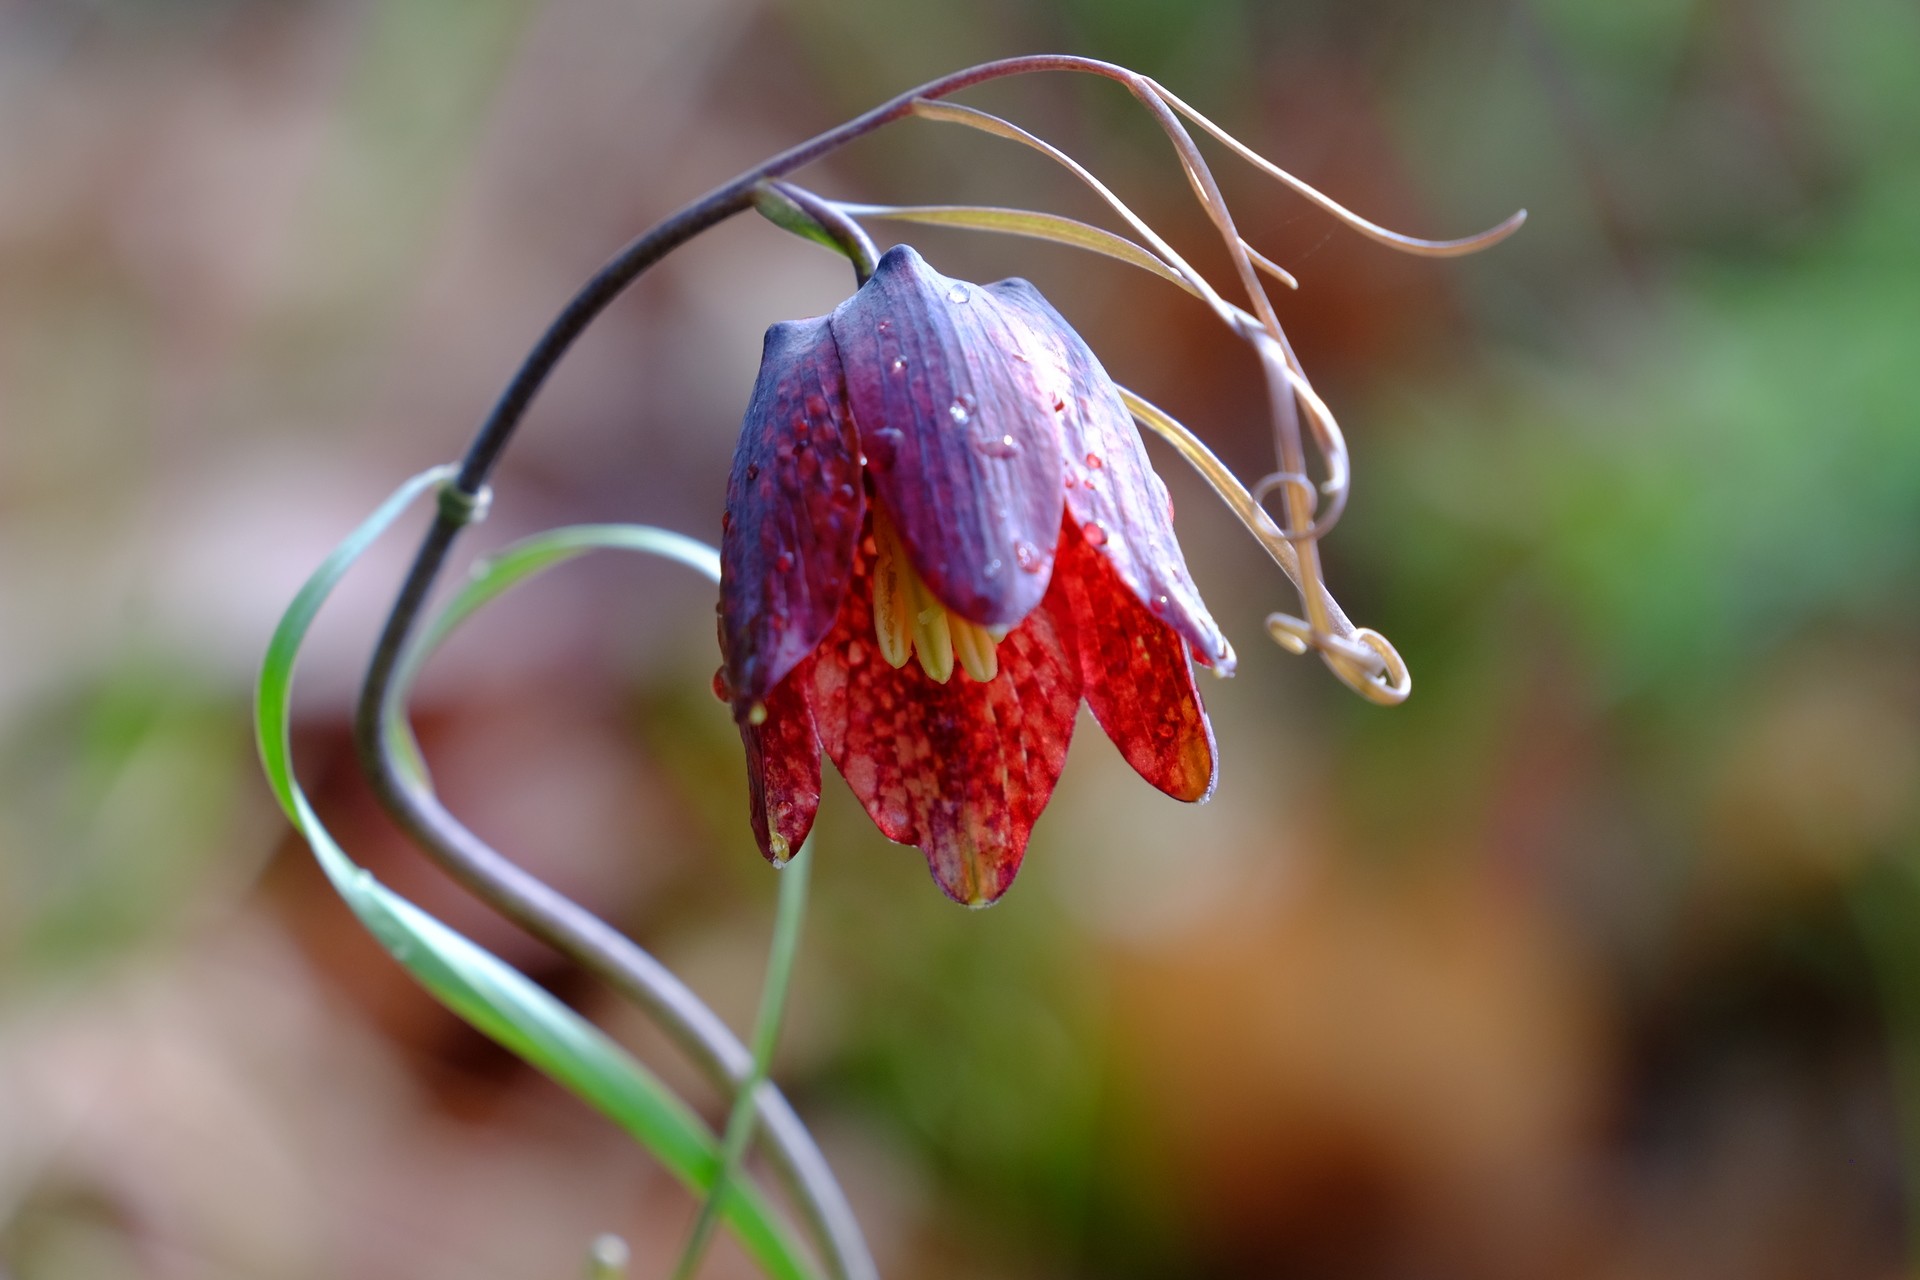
{"points": [[1598, 959]]}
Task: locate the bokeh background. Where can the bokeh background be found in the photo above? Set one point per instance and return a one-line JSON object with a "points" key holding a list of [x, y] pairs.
{"points": [[1599, 958]]}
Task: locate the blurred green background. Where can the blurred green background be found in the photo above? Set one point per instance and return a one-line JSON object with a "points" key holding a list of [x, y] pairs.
{"points": [[1600, 958]]}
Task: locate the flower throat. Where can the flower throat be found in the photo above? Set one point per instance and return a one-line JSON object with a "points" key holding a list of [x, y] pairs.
{"points": [[909, 621]]}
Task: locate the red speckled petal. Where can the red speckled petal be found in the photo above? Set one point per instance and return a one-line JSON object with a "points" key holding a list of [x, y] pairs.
{"points": [[794, 507], [1138, 683], [783, 769], [962, 769], [1112, 488], [960, 434]]}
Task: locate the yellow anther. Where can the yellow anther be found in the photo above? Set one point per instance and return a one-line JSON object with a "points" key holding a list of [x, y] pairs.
{"points": [[932, 638], [908, 620], [892, 593], [974, 645], [757, 714]]}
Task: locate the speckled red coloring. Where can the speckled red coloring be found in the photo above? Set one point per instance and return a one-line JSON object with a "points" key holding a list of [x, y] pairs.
{"points": [[783, 768], [961, 769], [1137, 681]]}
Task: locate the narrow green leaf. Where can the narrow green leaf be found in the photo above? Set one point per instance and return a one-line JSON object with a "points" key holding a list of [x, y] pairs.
{"points": [[490, 994], [782, 212], [1030, 223]]}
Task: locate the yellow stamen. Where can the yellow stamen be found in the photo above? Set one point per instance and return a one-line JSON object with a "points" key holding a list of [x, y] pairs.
{"points": [[974, 645], [932, 638], [892, 593], [908, 620]]}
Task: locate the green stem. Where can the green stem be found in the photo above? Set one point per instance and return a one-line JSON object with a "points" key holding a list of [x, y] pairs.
{"points": [[788, 914]]}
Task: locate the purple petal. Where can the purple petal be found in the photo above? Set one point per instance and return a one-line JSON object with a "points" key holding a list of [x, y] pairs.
{"points": [[794, 508], [960, 434], [1112, 493]]}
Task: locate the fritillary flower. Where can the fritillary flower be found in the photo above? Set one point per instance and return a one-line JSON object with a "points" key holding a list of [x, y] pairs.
{"points": [[941, 536]]}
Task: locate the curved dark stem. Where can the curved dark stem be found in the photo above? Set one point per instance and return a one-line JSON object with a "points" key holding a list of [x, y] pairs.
{"points": [[535, 906], [832, 219]]}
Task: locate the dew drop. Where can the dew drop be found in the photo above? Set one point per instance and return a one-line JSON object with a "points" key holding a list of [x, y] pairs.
{"points": [[783, 563], [1094, 534], [720, 688], [992, 568], [1028, 557], [753, 472], [961, 410], [780, 847], [899, 364], [845, 495], [1093, 460], [959, 294], [996, 446], [1159, 604], [884, 327]]}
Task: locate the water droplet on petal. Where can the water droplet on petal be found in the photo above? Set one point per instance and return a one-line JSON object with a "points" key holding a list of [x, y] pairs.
{"points": [[959, 294], [992, 568], [899, 364], [783, 563], [721, 690], [1093, 460], [959, 413], [753, 472], [1094, 534], [1028, 557], [884, 327], [1159, 604], [996, 446]]}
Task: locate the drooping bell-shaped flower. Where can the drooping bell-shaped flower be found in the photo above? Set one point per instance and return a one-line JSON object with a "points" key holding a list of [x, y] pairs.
{"points": [[941, 535]]}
